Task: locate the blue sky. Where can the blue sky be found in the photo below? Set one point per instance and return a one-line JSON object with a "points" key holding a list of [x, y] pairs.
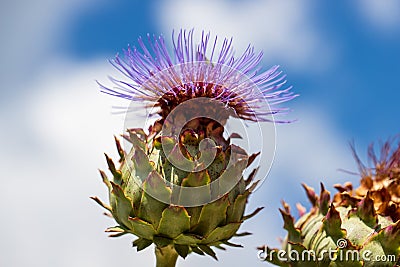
{"points": [[342, 58]]}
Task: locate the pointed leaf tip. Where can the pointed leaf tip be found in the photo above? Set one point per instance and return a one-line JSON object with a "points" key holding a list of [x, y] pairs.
{"points": [[254, 213], [119, 149], [115, 229], [206, 249], [98, 201], [366, 211], [252, 158], [137, 137], [117, 234], [141, 164], [286, 206], [226, 242], [196, 250], [324, 200], [222, 233], [182, 250], [312, 197], [294, 234], [111, 166], [332, 224], [251, 176], [105, 179], [219, 246], [243, 234]]}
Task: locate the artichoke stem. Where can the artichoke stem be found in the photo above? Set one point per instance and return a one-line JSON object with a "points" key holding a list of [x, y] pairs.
{"points": [[166, 256]]}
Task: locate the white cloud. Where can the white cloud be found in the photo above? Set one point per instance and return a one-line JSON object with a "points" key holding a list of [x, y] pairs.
{"points": [[284, 30], [381, 15], [311, 149], [31, 31]]}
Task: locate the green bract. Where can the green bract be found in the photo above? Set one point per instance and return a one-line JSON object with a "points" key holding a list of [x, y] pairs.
{"points": [[175, 230]]}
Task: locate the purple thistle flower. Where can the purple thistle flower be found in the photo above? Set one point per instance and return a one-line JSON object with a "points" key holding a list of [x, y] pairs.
{"points": [[165, 80]]}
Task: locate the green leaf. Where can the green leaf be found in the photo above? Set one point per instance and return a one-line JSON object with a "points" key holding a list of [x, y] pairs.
{"points": [[141, 243], [230, 178], [106, 181], [130, 184], [154, 185], [194, 215], [218, 165], [182, 156], [312, 197], [208, 251], [161, 241], [117, 234], [141, 164], [174, 221], [222, 233], [141, 228], [196, 250], [254, 213], [235, 211], [389, 237], [118, 231], [188, 239], [226, 242], [211, 216], [218, 246], [121, 152], [115, 229], [150, 208], [332, 224], [366, 211], [137, 138], [116, 173], [243, 234], [324, 199], [98, 201], [251, 176], [252, 158], [111, 197], [182, 250], [195, 179], [123, 206], [134, 192], [293, 233]]}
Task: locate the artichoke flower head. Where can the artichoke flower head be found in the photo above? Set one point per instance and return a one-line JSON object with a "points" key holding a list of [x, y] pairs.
{"points": [[180, 184], [357, 227]]}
